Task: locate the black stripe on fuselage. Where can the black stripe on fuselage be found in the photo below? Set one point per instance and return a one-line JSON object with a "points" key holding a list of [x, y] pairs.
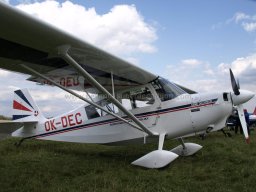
{"points": [[173, 109], [111, 120]]}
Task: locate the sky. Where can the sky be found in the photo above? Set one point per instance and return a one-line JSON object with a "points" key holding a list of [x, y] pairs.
{"points": [[193, 43]]}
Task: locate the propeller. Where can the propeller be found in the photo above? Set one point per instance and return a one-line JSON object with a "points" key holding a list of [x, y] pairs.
{"points": [[235, 85], [240, 111], [238, 84], [239, 97]]}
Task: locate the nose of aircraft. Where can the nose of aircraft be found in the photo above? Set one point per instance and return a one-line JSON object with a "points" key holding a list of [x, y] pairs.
{"points": [[243, 97]]}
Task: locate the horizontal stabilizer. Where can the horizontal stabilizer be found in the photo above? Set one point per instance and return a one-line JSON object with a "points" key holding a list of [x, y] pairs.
{"points": [[7, 127], [156, 159]]}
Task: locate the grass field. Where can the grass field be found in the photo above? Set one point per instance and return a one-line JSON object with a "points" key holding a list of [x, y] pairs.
{"points": [[224, 164]]}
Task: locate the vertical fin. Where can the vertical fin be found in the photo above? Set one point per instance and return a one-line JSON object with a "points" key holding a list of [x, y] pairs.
{"points": [[24, 107]]}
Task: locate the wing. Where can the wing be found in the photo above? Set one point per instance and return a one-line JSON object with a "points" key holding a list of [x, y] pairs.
{"points": [[29, 41]]}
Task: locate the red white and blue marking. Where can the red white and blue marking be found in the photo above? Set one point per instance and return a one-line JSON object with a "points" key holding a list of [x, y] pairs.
{"points": [[21, 106]]}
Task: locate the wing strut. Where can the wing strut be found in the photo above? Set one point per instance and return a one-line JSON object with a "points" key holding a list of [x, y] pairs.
{"points": [[113, 85], [63, 52], [78, 96]]}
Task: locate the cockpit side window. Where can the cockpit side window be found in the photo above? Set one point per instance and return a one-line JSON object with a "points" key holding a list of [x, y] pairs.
{"points": [[137, 98], [166, 90], [91, 112], [133, 98]]}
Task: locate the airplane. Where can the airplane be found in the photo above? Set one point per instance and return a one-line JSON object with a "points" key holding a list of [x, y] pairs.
{"points": [[132, 104]]}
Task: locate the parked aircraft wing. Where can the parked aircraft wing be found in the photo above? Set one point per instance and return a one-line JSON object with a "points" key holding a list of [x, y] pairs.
{"points": [[32, 42]]}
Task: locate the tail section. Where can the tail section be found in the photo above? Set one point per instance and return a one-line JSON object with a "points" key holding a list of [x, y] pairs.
{"points": [[24, 107]]}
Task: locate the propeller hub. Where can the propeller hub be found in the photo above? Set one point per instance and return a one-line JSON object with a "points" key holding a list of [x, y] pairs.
{"points": [[243, 97]]}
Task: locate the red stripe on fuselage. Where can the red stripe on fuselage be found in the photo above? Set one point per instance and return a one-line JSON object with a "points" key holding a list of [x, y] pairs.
{"points": [[115, 121]]}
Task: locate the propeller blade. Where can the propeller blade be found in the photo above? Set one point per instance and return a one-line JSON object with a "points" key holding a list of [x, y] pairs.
{"points": [[240, 111], [238, 84], [233, 83]]}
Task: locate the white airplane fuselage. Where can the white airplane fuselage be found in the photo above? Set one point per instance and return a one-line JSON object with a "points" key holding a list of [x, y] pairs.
{"points": [[184, 115]]}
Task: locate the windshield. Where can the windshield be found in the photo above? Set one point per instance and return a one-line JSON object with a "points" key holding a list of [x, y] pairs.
{"points": [[166, 90]]}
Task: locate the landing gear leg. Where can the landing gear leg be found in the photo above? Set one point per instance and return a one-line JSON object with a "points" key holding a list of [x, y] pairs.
{"points": [[182, 143], [161, 141], [158, 158]]}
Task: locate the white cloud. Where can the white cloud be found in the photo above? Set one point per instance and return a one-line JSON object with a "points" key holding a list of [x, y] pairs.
{"points": [[207, 77], [43, 94], [195, 74], [11, 87], [49, 109], [121, 31], [245, 69], [216, 26], [223, 68], [248, 22], [207, 85], [209, 72], [241, 16], [191, 62], [199, 79], [26, 1], [5, 1], [132, 60], [249, 27]]}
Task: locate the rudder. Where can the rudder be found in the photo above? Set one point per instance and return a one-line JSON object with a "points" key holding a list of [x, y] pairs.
{"points": [[24, 107]]}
